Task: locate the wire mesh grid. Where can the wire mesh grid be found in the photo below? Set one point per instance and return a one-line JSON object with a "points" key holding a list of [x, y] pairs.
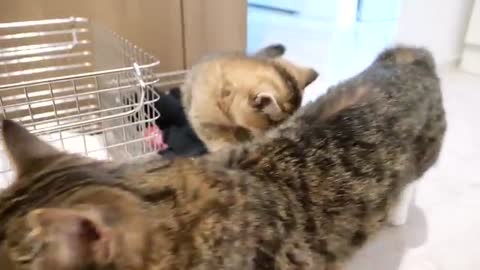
{"points": [[78, 86]]}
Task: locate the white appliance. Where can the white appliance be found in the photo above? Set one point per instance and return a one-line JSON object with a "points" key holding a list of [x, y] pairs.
{"points": [[378, 10], [286, 5], [343, 11], [470, 61]]}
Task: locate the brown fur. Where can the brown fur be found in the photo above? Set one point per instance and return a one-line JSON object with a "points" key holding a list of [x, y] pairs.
{"points": [[231, 97], [343, 99], [305, 196]]}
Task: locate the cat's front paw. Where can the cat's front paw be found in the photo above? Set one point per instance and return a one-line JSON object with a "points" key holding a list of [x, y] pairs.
{"points": [[398, 214]]}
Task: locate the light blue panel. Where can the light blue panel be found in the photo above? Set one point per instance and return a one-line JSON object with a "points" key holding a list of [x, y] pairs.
{"points": [[379, 10]]}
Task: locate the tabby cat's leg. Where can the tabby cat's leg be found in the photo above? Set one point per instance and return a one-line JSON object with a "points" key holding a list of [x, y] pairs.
{"points": [[398, 214], [333, 266]]}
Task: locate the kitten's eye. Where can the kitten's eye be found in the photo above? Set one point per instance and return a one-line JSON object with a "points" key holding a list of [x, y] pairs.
{"points": [[225, 92], [29, 248], [31, 255], [262, 102]]}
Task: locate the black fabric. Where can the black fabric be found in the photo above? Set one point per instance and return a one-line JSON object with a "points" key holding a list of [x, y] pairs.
{"points": [[177, 132], [171, 110]]}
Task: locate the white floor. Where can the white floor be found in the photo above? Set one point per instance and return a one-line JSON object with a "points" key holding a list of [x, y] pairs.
{"points": [[443, 228]]}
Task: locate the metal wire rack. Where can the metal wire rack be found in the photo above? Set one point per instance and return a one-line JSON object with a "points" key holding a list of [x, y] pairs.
{"points": [[78, 86]]}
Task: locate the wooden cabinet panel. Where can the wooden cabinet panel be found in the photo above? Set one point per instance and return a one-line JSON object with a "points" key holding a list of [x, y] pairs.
{"points": [[177, 32], [213, 25], [155, 26]]}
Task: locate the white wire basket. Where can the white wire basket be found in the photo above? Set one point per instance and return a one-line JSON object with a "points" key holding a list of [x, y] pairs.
{"points": [[78, 86]]}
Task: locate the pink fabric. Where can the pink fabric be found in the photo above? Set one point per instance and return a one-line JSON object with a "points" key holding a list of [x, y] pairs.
{"points": [[154, 136]]}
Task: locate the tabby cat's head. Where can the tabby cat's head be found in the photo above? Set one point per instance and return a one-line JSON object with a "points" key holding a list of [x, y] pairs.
{"points": [[66, 212]]}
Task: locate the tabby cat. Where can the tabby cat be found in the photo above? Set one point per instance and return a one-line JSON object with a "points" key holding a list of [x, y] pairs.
{"points": [[232, 97], [305, 196]]}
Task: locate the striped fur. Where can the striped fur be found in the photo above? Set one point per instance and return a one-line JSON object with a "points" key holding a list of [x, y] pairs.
{"points": [[306, 196]]}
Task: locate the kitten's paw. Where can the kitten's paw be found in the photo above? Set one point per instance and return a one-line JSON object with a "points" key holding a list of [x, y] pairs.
{"points": [[398, 214], [218, 145]]}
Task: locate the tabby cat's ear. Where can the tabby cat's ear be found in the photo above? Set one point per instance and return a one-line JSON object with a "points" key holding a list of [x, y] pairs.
{"points": [[24, 148], [272, 51], [80, 235], [303, 75]]}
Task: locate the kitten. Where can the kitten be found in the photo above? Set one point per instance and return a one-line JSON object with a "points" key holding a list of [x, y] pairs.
{"points": [[305, 196], [232, 97]]}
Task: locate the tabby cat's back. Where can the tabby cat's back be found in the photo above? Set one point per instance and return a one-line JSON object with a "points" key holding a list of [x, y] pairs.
{"points": [[306, 196]]}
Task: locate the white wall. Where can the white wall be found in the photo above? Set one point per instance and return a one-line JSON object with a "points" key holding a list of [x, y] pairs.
{"points": [[439, 25]]}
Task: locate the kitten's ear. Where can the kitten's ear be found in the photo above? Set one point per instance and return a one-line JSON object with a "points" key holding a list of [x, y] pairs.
{"points": [[268, 104], [81, 235], [272, 51], [24, 148], [303, 75]]}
